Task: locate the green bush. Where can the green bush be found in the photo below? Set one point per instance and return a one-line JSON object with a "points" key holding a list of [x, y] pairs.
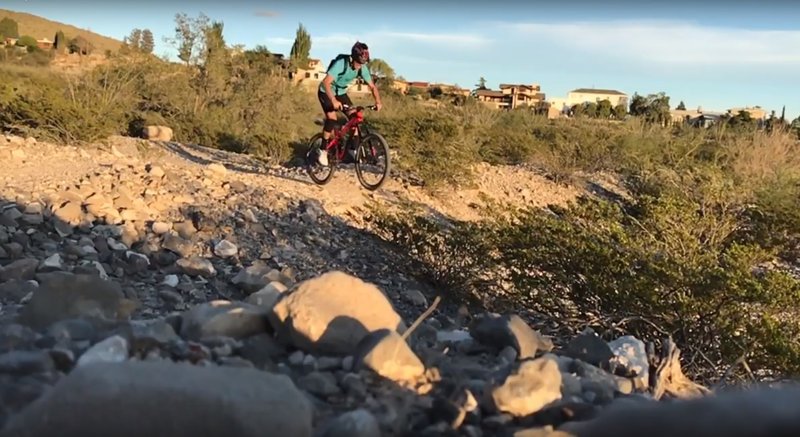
{"points": [[661, 259], [67, 108], [433, 143]]}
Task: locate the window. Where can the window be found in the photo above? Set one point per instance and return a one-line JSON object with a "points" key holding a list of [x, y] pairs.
{"points": [[316, 75], [308, 74]]}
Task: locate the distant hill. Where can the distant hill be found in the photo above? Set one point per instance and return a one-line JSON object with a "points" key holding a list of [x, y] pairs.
{"points": [[39, 27]]}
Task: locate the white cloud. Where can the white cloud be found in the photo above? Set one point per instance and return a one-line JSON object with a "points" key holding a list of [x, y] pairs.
{"points": [[669, 42], [385, 37]]}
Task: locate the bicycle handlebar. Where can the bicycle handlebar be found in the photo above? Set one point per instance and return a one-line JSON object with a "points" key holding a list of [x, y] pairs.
{"points": [[359, 108]]}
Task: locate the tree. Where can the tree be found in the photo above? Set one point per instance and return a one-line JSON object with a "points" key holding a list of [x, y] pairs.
{"points": [[638, 105], [60, 42], [28, 42], [654, 108], [9, 28], [147, 44], [620, 111], [481, 83], [215, 67], [301, 49], [604, 108], [188, 36], [134, 40], [379, 68], [80, 45], [681, 106]]}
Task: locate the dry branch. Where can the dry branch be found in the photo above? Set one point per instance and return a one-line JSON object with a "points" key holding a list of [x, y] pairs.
{"points": [[667, 378]]}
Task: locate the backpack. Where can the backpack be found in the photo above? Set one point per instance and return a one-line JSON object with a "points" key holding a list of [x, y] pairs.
{"points": [[346, 57]]}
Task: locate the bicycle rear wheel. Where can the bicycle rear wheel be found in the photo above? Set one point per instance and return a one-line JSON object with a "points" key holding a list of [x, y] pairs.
{"points": [[372, 160], [321, 175]]}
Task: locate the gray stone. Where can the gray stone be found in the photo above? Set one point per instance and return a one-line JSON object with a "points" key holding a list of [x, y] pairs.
{"points": [[257, 276], [500, 331], [356, 423], [221, 318], [53, 263], [268, 296], [386, 353], [631, 354], [225, 249], [64, 296], [21, 270], [111, 350], [199, 401], [321, 384], [590, 348], [25, 362], [197, 266], [532, 386]]}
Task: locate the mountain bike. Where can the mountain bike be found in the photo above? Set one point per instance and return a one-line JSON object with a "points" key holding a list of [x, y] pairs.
{"points": [[370, 150]]}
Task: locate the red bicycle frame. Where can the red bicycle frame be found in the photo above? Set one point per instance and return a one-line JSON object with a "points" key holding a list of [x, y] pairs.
{"points": [[338, 134]]}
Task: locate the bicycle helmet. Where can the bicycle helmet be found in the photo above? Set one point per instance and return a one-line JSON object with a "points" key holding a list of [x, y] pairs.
{"points": [[360, 52]]}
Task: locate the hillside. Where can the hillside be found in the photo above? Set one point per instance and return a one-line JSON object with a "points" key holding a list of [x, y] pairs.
{"points": [[39, 27], [188, 255]]}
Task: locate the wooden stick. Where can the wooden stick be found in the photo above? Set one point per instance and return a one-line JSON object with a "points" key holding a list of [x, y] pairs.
{"points": [[421, 317]]}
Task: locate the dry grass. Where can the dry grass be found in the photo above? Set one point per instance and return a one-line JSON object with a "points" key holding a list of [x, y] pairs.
{"points": [[764, 157]]}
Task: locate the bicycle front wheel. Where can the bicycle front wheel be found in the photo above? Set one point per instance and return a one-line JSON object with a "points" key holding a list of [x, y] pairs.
{"points": [[318, 173], [373, 164]]}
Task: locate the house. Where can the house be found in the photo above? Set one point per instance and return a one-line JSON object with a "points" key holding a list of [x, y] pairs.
{"points": [[400, 85], [9, 41], [310, 77], [756, 112], [44, 44], [523, 95], [592, 95], [359, 88], [493, 99], [684, 115]]}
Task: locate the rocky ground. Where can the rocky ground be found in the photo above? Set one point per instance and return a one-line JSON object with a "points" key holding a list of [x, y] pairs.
{"points": [[212, 294]]}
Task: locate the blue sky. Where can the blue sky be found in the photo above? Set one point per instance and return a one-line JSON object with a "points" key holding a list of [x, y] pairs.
{"points": [[710, 54]]}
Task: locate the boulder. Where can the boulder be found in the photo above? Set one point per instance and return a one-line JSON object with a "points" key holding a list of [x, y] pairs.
{"points": [[166, 399], [63, 296], [157, 133], [332, 313]]}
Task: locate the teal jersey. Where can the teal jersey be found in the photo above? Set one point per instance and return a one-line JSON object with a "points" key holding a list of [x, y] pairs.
{"points": [[344, 75]]}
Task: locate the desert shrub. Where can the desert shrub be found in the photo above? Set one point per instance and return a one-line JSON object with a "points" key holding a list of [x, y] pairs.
{"points": [[510, 138], [68, 108], [433, 143], [660, 259]]}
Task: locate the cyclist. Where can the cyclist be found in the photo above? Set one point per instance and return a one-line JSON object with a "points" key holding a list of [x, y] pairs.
{"points": [[332, 94]]}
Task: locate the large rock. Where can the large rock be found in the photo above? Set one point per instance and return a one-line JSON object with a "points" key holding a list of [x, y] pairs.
{"points": [[333, 313], [21, 270], [501, 331], [759, 412], [157, 133], [64, 296], [166, 399], [532, 386]]}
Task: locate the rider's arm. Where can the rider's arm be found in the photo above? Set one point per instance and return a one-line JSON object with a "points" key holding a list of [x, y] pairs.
{"points": [[338, 65], [326, 83], [371, 84]]}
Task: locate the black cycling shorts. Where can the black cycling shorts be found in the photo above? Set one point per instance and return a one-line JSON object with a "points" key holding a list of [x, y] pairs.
{"points": [[327, 104]]}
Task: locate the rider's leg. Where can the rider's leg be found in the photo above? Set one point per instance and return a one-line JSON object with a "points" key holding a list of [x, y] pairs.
{"points": [[328, 126]]}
